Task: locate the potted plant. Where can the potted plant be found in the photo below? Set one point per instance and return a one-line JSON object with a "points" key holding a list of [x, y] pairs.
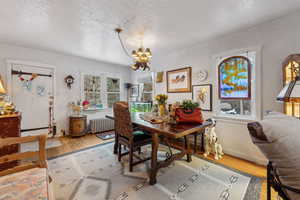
{"points": [[189, 112]]}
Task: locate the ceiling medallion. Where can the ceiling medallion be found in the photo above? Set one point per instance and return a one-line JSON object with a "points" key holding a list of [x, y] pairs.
{"points": [[141, 56]]}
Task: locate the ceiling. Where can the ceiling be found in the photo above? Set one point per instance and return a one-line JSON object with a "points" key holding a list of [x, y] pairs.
{"points": [[86, 27]]}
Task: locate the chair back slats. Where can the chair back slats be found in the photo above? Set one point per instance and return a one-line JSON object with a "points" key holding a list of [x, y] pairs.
{"points": [[123, 124], [18, 156], [17, 140], [40, 154]]}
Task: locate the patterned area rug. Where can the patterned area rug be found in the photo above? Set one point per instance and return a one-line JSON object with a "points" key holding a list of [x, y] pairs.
{"points": [[95, 174]]}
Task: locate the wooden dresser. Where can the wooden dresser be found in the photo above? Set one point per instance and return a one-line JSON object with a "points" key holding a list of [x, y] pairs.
{"points": [[10, 126]]}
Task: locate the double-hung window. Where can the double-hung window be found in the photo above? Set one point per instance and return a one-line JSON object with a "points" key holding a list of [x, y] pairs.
{"points": [[112, 91], [92, 89]]}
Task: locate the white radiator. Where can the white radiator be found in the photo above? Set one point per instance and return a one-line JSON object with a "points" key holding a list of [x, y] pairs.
{"points": [[101, 125]]}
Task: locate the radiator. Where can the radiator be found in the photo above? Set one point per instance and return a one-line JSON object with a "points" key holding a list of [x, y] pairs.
{"points": [[101, 125]]}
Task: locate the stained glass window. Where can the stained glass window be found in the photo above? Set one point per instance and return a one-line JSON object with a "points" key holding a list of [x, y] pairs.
{"points": [[235, 78], [290, 108]]}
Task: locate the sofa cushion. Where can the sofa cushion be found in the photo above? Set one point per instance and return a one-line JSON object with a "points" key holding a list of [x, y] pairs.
{"points": [[282, 146]]}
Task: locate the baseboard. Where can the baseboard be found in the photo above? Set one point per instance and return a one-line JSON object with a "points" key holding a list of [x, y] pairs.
{"points": [[260, 161]]}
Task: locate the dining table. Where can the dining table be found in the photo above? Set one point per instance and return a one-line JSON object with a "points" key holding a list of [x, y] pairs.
{"points": [[165, 132]]}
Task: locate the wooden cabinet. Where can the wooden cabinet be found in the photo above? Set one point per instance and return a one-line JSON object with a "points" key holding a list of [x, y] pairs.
{"points": [[78, 125], [9, 127]]}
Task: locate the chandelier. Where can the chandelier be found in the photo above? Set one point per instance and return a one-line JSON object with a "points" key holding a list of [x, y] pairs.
{"points": [[141, 56]]}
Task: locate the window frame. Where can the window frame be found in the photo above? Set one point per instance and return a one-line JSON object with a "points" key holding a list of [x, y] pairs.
{"points": [[106, 92], [256, 111], [103, 92], [142, 85]]}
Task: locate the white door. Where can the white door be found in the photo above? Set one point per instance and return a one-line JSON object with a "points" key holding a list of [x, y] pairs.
{"points": [[32, 97]]}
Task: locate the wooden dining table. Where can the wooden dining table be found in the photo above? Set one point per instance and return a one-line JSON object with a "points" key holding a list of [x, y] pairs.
{"points": [[163, 133]]}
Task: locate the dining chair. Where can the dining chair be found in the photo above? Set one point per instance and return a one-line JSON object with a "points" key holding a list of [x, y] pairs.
{"points": [[127, 136]]}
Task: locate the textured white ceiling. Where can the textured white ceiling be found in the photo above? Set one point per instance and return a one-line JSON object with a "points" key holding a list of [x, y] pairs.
{"points": [[86, 27]]}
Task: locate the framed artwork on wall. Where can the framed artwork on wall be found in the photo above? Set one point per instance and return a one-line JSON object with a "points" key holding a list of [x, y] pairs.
{"points": [[179, 80], [159, 77], [234, 76], [203, 95]]}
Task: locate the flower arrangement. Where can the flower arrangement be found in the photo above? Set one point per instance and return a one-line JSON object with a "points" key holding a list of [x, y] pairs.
{"points": [[161, 99]]}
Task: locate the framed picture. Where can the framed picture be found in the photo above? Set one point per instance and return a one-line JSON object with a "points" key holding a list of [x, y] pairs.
{"points": [[203, 95], [179, 80], [159, 77], [234, 76], [134, 90]]}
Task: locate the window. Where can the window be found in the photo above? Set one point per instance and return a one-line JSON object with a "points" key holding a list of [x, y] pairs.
{"points": [[236, 75], [92, 89], [100, 90], [146, 84], [113, 91], [291, 108]]}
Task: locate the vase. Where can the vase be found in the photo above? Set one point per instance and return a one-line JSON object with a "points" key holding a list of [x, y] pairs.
{"points": [[162, 110]]}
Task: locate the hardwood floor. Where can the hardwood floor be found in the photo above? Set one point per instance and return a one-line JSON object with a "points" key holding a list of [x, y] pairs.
{"points": [[74, 144]]}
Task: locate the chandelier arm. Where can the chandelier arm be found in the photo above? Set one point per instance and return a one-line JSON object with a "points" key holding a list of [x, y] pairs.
{"points": [[123, 46]]}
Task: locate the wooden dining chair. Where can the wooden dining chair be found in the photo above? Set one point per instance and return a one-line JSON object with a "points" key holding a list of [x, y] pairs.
{"points": [[127, 136]]}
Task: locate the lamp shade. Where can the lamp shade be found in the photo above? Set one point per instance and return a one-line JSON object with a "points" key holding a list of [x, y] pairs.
{"points": [[2, 89], [290, 92]]}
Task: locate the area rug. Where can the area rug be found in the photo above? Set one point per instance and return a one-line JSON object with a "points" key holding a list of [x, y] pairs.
{"points": [[95, 174], [34, 146], [106, 135]]}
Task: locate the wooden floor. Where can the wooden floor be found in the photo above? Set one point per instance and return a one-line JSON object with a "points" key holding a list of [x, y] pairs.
{"points": [[74, 144]]}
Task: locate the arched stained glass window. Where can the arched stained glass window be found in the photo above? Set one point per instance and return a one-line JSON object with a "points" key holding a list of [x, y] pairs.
{"points": [[290, 108], [235, 78]]}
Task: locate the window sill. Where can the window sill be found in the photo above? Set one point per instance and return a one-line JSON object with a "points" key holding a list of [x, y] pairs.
{"points": [[235, 119], [96, 110]]}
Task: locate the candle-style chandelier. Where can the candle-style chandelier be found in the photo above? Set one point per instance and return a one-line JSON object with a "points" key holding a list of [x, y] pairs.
{"points": [[141, 56]]}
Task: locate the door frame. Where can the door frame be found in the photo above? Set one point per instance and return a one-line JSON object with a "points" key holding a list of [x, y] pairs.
{"points": [[9, 65]]}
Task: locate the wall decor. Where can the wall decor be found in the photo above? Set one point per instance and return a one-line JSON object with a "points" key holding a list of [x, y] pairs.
{"points": [[27, 84], [69, 81], [202, 75], [41, 90], [203, 95], [179, 80], [234, 75], [159, 77], [134, 90]]}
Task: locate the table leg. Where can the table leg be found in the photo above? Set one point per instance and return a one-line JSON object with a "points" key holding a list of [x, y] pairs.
{"points": [[116, 143], [202, 142], [155, 143], [187, 148]]}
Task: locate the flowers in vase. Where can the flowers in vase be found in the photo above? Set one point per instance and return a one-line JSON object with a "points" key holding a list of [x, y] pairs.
{"points": [[161, 98]]}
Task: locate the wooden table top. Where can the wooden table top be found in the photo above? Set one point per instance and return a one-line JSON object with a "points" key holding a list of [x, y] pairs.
{"points": [[170, 130]]}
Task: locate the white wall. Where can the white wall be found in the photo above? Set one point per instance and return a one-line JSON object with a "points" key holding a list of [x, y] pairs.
{"points": [[65, 65], [278, 39]]}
